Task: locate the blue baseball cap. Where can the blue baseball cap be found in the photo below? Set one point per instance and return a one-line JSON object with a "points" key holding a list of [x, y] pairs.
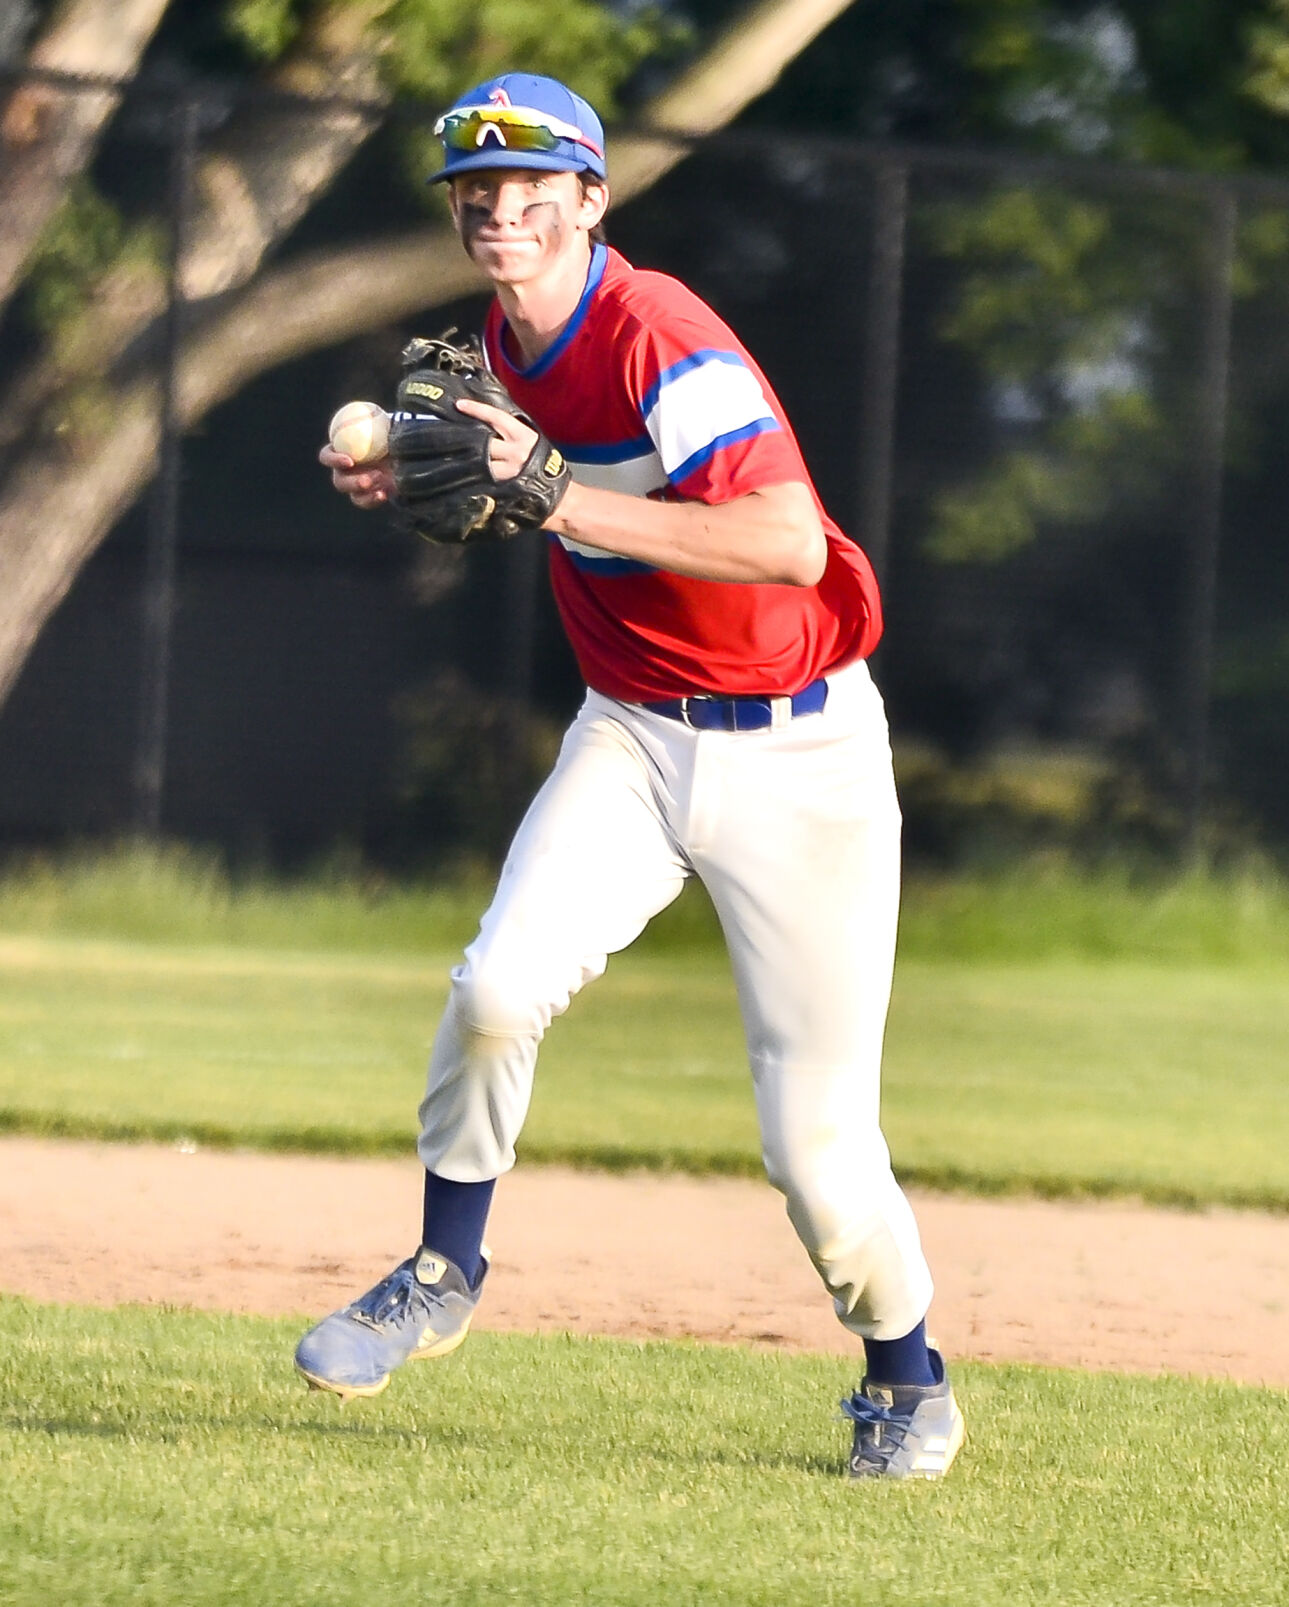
{"points": [[521, 120]]}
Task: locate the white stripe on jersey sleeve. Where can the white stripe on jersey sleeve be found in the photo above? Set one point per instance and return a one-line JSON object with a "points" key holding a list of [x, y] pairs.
{"points": [[715, 397], [637, 477]]}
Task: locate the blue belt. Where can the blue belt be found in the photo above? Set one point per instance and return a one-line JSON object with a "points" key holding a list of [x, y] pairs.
{"points": [[704, 712]]}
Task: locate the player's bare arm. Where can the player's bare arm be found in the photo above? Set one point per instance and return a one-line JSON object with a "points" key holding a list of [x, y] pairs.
{"points": [[771, 536]]}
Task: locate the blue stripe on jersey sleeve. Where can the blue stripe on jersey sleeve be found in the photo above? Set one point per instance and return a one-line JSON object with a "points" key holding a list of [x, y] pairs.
{"points": [[694, 360], [759, 426]]}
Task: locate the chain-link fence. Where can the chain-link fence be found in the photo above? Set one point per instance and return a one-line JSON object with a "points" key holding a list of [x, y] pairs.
{"points": [[1047, 397]]}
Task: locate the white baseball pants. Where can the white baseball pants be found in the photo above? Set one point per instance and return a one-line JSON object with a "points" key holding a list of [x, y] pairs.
{"points": [[795, 833]]}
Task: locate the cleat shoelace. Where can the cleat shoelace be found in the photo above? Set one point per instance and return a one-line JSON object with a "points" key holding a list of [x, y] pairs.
{"points": [[393, 1303], [892, 1427]]}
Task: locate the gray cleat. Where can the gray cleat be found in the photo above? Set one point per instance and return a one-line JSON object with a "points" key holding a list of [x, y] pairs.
{"points": [[904, 1431], [422, 1309]]}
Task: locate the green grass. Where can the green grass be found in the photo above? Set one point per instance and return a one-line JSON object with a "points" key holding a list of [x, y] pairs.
{"points": [[1060, 1077], [176, 896], [158, 1457], [1043, 909], [1055, 910], [1162, 1081]]}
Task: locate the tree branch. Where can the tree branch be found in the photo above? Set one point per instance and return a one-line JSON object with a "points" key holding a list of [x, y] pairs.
{"points": [[741, 65]]}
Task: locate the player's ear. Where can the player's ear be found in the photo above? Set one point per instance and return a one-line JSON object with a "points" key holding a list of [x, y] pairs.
{"points": [[454, 200], [594, 201]]}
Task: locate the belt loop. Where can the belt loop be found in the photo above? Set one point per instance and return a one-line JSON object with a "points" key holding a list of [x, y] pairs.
{"points": [[780, 712]]}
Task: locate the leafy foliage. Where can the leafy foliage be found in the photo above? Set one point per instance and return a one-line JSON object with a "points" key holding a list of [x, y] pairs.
{"points": [[433, 49], [265, 27], [1058, 316], [440, 47], [1069, 319], [84, 238]]}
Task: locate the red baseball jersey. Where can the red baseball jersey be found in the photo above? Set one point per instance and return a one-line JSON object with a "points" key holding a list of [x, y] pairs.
{"points": [[648, 392]]}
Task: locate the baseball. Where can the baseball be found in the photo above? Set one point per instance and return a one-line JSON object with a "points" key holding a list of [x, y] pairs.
{"points": [[361, 431]]}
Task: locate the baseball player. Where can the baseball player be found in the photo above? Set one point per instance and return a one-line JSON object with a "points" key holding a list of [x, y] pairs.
{"points": [[730, 731]]}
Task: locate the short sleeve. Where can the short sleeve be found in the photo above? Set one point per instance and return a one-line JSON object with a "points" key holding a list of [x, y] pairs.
{"points": [[715, 429]]}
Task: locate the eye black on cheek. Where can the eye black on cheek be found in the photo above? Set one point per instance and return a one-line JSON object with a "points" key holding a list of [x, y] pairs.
{"points": [[544, 214]]}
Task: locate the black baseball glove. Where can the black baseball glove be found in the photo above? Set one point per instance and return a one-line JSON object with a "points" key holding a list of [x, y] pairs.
{"points": [[445, 489]]}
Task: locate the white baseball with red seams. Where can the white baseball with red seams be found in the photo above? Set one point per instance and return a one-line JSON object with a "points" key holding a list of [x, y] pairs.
{"points": [[361, 431]]}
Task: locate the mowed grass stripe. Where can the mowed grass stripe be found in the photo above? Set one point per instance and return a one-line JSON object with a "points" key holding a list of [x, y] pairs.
{"points": [[153, 1457], [1061, 1078]]}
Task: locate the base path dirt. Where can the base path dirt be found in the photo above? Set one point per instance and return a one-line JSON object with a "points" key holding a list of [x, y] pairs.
{"points": [[1115, 1286]]}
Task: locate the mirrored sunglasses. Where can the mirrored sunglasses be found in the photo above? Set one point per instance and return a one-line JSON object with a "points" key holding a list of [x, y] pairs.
{"points": [[517, 128]]}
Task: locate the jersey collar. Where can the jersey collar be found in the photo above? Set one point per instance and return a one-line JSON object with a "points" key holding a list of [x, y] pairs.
{"points": [[594, 273]]}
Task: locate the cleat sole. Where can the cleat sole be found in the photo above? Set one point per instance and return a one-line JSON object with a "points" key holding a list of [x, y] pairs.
{"points": [[345, 1391]]}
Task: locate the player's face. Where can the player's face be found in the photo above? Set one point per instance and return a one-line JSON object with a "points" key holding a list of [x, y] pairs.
{"points": [[518, 222]]}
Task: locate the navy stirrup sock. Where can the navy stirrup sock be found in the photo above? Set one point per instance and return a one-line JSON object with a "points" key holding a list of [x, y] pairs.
{"points": [[900, 1361], [454, 1219]]}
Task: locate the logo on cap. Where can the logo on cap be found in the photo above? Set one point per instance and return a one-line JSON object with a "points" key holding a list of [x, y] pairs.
{"points": [[496, 97]]}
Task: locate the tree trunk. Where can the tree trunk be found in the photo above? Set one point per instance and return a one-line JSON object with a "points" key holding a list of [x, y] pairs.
{"points": [[49, 130], [257, 180], [59, 504]]}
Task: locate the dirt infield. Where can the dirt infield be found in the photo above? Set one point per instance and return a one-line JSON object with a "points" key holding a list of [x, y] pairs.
{"points": [[1091, 1285]]}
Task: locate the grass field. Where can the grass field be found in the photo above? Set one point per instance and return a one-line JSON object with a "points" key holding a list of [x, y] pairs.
{"points": [[1045, 909], [156, 1457], [1063, 1077]]}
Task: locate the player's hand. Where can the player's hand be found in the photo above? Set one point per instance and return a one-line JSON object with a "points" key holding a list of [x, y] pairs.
{"points": [[512, 439], [367, 485]]}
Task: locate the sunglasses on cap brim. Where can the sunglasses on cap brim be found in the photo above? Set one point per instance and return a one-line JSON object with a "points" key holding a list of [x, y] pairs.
{"points": [[515, 128]]}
